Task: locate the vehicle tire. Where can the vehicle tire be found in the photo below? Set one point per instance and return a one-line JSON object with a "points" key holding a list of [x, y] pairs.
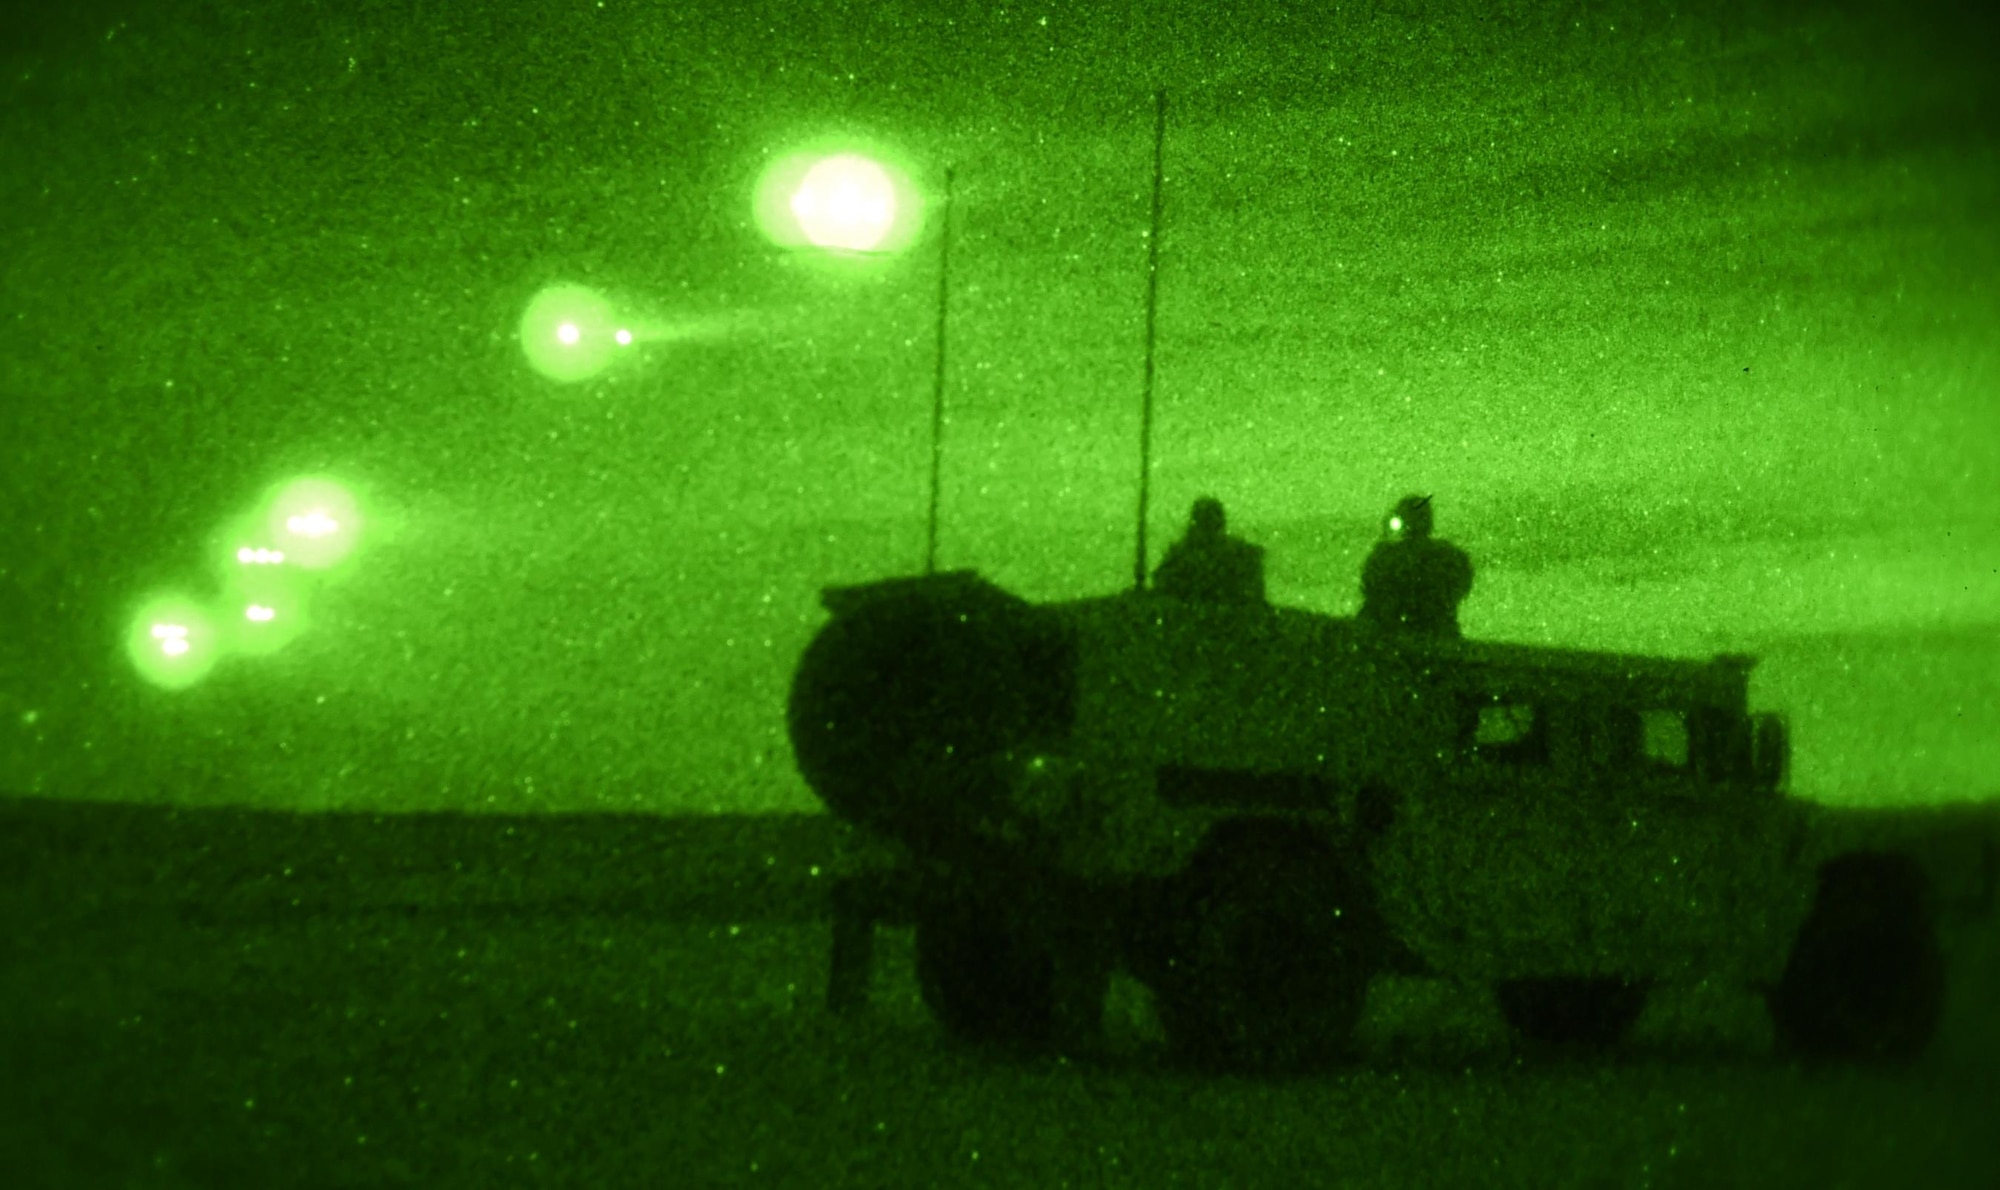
{"points": [[982, 975], [1572, 1011], [1865, 980], [1279, 941]]}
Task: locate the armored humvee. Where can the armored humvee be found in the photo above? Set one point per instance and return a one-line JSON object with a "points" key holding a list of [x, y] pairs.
{"points": [[1255, 810]]}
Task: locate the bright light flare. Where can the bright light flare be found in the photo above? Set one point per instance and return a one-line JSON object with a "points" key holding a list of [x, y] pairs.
{"points": [[316, 523], [243, 544], [316, 520], [268, 611], [568, 333], [843, 201], [847, 202], [171, 642]]}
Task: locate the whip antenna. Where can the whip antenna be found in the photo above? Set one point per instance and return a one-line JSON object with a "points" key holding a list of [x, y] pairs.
{"points": [[1152, 311], [937, 375]]}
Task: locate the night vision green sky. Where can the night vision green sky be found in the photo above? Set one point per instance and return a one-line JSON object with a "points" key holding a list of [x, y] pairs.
{"points": [[1686, 316]]}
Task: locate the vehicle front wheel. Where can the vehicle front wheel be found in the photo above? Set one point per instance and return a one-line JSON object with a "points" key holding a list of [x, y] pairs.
{"points": [[1865, 981], [982, 975], [1273, 968]]}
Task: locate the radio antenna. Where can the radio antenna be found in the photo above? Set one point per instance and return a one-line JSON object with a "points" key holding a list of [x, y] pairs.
{"points": [[937, 375], [1152, 312]]}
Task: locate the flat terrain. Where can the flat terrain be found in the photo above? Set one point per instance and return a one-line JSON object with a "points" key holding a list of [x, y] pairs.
{"points": [[221, 999]]}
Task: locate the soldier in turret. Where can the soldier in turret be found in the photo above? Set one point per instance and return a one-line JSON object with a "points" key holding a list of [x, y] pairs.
{"points": [[1412, 581], [1210, 566]]}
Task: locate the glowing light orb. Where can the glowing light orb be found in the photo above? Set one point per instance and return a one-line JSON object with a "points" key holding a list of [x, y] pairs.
{"points": [[171, 642], [567, 333], [624, 337], [1395, 524], [315, 519], [242, 544], [843, 201], [317, 523], [268, 611]]}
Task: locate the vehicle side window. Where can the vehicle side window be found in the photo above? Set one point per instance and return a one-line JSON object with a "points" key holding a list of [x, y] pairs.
{"points": [[1509, 733], [1504, 723], [1664, 738]]}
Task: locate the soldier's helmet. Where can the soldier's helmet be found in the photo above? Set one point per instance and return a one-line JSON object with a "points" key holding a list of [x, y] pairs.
{"points": [[1207, 519], [1411, 520]]}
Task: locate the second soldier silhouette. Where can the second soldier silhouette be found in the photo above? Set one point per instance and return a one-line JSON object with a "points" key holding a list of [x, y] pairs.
{"points": [[1208, 565], [1413, 582]]}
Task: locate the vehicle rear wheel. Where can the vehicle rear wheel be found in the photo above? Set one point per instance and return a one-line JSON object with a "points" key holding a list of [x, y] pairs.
{"points": [[1271, 972], [1572, 1011], [1865, 981], [983, 976]]}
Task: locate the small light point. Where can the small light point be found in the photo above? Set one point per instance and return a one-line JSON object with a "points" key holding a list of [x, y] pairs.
{"points": [[567, 334]]}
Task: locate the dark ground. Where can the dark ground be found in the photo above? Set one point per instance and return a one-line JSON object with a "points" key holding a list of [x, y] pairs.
{"points": [[229, 999]]}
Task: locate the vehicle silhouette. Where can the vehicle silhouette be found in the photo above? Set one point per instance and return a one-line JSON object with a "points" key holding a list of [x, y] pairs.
{"points": [[1255, 810]]}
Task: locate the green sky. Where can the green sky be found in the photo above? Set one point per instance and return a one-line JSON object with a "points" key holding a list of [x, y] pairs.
{"points": [[1688, 320]]}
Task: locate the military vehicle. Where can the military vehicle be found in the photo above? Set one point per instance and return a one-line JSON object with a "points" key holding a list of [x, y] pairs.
{"points": [[1256, 810]]}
